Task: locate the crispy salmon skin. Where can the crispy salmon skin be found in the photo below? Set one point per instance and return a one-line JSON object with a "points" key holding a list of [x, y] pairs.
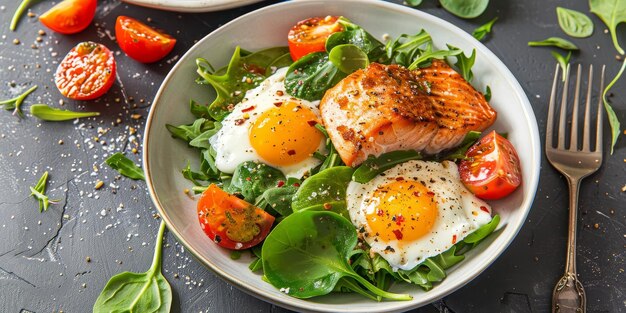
{"points": [[385, 108]]}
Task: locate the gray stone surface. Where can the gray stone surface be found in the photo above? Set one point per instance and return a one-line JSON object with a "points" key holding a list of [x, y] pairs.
{"points": [[43, 256]]}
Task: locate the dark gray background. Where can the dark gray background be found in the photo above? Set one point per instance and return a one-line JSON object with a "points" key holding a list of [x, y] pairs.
{"points": [[43, 265]]}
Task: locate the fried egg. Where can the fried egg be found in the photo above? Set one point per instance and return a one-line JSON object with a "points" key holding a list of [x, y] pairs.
{"points": [[415, 210], [271, 127]]}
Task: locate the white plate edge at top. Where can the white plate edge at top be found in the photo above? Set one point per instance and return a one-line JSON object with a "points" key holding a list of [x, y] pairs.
{"points": [[190, 6]]}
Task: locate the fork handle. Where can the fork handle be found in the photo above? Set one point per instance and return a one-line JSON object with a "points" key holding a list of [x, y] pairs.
{"points": [[569, 294]]}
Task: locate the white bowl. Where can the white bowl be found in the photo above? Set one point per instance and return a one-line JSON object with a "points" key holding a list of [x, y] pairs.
{"points": [[192, 5], [164, 157]]}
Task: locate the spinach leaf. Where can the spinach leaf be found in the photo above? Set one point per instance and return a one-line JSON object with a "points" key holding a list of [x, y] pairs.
{"points": [[356, 35], [481, 31], [554, 42], [251, 179], [46, 113], [310, 76], [282, 61], [138, 292], [15, 104], [325, 190], [574, 23], [459, 153], [242, 74], [613, 120], [307, 254], [612, 13], [376, 165], [348, 58], [465, 8], [279, 198], [331, 159], [125, 166], [563, 61], [406, 48], [426, 58], [464, 64]]}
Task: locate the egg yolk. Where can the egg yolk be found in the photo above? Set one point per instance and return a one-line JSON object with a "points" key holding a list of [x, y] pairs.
{"points": [[405, 211], [285, 134]]}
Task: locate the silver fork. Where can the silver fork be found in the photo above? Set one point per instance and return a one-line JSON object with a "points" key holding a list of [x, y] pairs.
{"points": [[575, 164]]}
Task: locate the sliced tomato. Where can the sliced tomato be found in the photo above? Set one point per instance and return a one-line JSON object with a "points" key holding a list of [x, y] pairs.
{"points": [[231, 222], [142, 42], [492, 168], [86, 72], [70, 16], [310, 35]]}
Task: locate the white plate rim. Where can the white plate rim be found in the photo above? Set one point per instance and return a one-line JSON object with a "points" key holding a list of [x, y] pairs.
{"points": [[191, 6]]}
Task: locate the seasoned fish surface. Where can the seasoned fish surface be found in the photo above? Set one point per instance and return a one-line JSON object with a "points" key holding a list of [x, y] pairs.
{"points": [[387, 107]]}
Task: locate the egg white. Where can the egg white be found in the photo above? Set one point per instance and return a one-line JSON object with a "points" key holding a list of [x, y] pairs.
{"points": [[459, 211], [232, 143]]}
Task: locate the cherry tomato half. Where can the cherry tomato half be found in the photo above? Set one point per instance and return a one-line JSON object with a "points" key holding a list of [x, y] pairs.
{"points": [[310, 35], [70, 16], [86, 72], [140, 41], [231, 222], [492, 168]]}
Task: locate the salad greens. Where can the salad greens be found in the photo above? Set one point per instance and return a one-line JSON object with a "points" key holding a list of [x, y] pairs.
{"points": [[373, 166], [16, 103], [480, 32], [46, 113], [348, 58], [325, 190], [574, 23], [465, 8], [138, 292], [125, 166], [554, 42], [464, 64], [310, 76]]}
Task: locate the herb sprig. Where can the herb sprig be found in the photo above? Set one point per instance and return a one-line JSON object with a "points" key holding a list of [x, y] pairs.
{"points": [[47, 113], [125, 166], [18, 13], [481, 31], [39, 192], [16, 103]]}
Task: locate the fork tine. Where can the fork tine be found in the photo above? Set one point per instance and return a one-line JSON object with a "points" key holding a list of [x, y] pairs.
{"points": [[599, 122], [561, 134], [573, 142], [586, 130], [549, 125]]}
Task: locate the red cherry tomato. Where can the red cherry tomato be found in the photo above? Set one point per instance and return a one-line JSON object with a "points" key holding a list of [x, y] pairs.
{"points": [[140, 41], [231, 222], [86, 72], [492, 168], [69, 16], [310, 35]]}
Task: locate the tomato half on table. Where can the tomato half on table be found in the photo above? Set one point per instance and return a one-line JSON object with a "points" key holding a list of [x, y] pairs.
{"points": [[310, 35], [232, 222], [87, 71], [70, 16], [492, 168], [142, 42]]}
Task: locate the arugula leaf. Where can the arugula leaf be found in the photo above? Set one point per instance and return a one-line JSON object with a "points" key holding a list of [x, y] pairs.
{"points": [[138, 292], [563, 61], [199, 110], [554, 42], [202, 140], [310, 76], [406, 48], [481, 31], [574, 23], [465, 8], [348, 58], [125, 166], [459, 153], [46, 113], [613, 120], [612, 13], [194, 176], [16, 103], [190, 132], [426, 58], [464, 64]]}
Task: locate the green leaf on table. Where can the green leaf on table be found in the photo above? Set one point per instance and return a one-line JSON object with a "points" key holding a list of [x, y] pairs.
{"points": [[46, 113], [348, 58], [612, 13], [15, 104], [574, 23], [125, 166], [464, 64], [138, 292], [481, 31], [308, 252], [563, 61], [465, 8], [19, 12], [554, 42], [376, 165], [325, 190], [39, 192], [613, 120], [413, 3]]}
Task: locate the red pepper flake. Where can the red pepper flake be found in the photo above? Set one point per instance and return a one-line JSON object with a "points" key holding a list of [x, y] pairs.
{"points": [[248, 109], [417, 194], [430, 193], [484, 208], [312, 123], [248, 179], [291, 152], [328, 206], [398, 234], [399, 219], [278, 104], [453, 239], [280, 183], [380, 212], [399, 178], [296, 184], [239, 121]]}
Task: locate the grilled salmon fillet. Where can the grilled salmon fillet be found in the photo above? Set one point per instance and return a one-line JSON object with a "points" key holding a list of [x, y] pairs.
{"points": [[385, 108]]}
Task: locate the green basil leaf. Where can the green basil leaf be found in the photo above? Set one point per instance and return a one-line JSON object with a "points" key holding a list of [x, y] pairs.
{"points": [[612, 13], [310, 76], [125, 166], [481, 31], [46, 113], [348, 58], [574, 23], [376, 165], [465, 8], [138, 292], [554, 42]]}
